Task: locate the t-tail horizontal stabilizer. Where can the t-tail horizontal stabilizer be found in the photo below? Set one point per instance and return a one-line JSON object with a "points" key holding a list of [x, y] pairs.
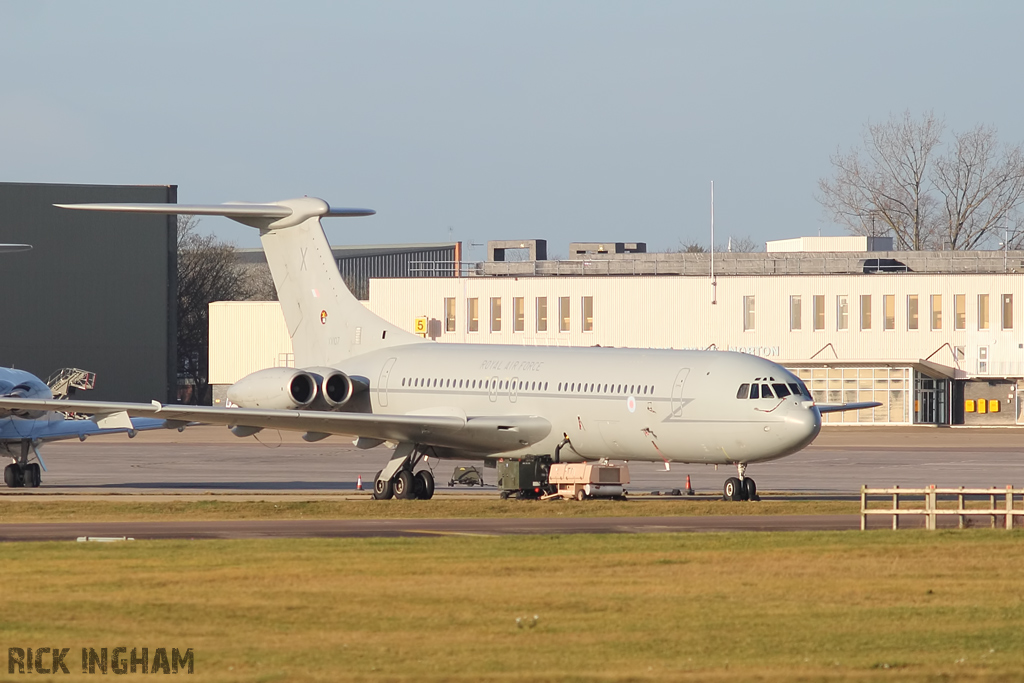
{"points": [[326, 323], [264, 216]]}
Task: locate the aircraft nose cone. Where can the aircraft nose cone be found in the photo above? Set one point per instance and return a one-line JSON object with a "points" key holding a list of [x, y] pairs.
{"points": [[803, 422]]}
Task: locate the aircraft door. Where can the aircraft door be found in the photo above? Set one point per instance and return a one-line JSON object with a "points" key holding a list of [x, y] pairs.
{"points": [[382, 383], [492, 390], [677, 392], [513, 390]]}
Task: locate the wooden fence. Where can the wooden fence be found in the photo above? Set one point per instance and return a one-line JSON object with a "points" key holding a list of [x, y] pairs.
{"points": [[1006, 508]]}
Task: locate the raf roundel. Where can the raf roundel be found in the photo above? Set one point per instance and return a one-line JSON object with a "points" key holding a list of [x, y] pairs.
{"points": [[323, 317], [631, 404]]}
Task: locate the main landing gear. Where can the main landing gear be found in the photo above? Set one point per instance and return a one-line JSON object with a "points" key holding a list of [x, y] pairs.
{"points": [[399, 480], [740, 488], [21, 472]]}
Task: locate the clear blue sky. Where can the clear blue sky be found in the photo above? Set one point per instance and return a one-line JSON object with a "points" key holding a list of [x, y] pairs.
{"points": [[565, 120]]}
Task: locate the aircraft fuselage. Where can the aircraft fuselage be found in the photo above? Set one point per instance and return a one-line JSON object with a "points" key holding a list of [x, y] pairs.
{"points": [[630, 404]]}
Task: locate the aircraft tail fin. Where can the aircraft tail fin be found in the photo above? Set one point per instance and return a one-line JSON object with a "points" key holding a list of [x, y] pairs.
{"points": [[326, 323]]}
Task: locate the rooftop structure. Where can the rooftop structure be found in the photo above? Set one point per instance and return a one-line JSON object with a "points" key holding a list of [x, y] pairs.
{"points": [[582, 250], [832, 244]]}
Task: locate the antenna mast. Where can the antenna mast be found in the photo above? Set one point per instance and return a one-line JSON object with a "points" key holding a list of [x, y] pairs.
{"points": [[714, 282]]}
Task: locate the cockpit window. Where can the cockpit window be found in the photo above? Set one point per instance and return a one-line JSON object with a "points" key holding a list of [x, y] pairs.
{"points": [[754, 392], [780, 390], [744, 389], [766, 391]]}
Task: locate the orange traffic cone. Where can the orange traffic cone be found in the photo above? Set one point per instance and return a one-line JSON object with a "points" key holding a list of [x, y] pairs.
{"points": [[359, 483], [689, 489]]}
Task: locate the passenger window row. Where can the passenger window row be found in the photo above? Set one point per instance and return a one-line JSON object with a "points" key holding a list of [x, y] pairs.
{"points": [[591, 388], [563, 387], [434, 382]]}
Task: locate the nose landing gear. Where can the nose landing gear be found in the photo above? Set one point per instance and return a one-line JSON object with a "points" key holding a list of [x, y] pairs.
{"points": [[740, 488]]}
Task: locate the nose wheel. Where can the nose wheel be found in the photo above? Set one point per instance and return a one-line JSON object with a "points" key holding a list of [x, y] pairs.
{"points": [[740, 488]]}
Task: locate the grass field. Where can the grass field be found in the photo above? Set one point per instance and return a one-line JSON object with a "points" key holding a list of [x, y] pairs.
{"points": [[24, 509], [881, 605]]}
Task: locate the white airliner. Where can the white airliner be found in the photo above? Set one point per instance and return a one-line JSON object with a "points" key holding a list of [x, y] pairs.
{"points": [[361, 376]]}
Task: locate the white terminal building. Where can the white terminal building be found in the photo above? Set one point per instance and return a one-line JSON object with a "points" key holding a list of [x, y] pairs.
{"points": [[935, 337]]}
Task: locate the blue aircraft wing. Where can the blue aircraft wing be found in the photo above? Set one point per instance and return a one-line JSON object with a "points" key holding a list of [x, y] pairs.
{"points": [[55, 427]]}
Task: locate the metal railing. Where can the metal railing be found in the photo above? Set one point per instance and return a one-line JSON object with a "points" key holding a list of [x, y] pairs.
{"points": [[931, 511], [65, 381], [756, 264]]}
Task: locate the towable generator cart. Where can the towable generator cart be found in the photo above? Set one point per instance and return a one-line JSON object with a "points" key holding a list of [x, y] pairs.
{"points": [[582, 480], [526, 478]]}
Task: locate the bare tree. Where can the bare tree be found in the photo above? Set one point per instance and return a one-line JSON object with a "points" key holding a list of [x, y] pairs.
{"points": [[883, 187], [743, 245], [689, 247], [207, 272], [258, 283], [982, 183]]}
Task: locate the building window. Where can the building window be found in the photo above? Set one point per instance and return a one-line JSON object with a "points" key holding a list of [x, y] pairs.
{"points": [[518, 314], [865, 311], [912, 311], [1007, 311], [959, 311], [473, 315], [795, 315], [936, 311], [983, 311], [495, 314], [889, 303], [542, 314], [748, 313], [819, 312], [563, 314], [842, 312], [449, 315], [588, 314], [982, 360]]}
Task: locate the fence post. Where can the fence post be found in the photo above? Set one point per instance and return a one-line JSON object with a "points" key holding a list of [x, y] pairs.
{"points": [[863, 507], [896, 507], [960, 505], [1009, 507], [930, 506], [992, 506]]}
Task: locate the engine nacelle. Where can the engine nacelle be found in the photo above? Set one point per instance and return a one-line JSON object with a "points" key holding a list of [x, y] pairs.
{"points": [[335, 388], [274, 389]]}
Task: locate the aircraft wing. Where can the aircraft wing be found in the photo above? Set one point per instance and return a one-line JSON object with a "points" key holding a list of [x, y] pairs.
{"points": [[483, 434], [14, 429], [840, 407]]}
